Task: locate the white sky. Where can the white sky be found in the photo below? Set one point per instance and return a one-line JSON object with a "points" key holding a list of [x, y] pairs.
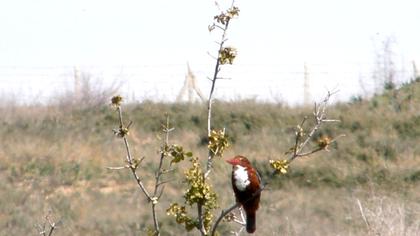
{"points": [[147, 44]]}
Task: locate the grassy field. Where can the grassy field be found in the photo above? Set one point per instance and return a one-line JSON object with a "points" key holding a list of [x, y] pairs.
{"points": [[54, 159]]}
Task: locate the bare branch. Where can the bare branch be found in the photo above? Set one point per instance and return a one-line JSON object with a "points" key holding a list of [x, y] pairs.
{"points": [[234, 206], [159, 184], [309, 153], [164, 171], [328, 120], [222, 215], [200, 219], [133, 164], [363, 215], [130, 159], [161, 192], [219, 27], [243, 220], [213, 85], [117, 168], [163, 182], [215, 58], [319, 115], [339, 136], [51, 224]]}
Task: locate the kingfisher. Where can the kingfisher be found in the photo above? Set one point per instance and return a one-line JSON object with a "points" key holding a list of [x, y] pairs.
{"points": [[246, 184]]}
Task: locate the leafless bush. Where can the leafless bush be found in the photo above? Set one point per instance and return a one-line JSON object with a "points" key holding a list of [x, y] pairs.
{"points": [[49, 226], [385, 216], [88, 92]]}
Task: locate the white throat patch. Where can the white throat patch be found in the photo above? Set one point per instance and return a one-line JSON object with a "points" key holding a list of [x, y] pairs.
{"points": [[240, 176]]}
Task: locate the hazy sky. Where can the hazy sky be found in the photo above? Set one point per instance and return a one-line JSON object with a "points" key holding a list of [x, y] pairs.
{"points": [[274, 38]]}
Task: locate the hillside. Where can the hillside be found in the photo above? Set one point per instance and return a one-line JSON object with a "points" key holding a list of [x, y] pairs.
{"points": [[55, 158]]}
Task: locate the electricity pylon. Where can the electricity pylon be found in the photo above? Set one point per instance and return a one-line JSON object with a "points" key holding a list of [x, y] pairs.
{"points": [[77, 83], [190, 86], [415, 71], [306, 91]]}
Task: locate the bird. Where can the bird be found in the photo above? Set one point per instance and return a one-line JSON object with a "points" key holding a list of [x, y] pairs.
{"points": [[246, 184]]}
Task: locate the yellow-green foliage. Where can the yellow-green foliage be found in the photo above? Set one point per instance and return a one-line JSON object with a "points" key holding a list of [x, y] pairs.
{"points": [[280, 166], [199, 193], [182, 216], [224, 17], [218, 142], [227, 55], [176, 152]]}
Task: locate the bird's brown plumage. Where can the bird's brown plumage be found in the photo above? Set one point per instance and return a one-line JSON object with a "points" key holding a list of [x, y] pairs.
{"points": [[249, 198]]}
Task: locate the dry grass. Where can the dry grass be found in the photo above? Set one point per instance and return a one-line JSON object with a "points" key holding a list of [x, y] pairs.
{"points": [[56, 159]]}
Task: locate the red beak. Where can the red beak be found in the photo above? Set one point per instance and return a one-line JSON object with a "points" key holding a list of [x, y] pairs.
{"points": [[232, 161]]}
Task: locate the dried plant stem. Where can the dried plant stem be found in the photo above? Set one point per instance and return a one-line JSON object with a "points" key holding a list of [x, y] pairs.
{"points": [[200, 217], [319, 115], [363, 215], [222, 215], [213, 86], [130, 159], [132, 166], [52, 226], [243, 219], [316, 149], [210, 102], [155, 219], [209, 118], [236, 205], [158, 176]]}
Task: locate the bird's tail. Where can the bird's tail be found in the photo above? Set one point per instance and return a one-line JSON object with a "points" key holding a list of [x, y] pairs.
{"points": [[250, 222]]}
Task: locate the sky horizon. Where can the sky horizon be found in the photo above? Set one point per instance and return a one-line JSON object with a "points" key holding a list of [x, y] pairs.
{"points": [[110, 39]]}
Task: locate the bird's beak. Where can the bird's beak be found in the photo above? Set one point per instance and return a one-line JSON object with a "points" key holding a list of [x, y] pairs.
{"points": [[232, 161]]}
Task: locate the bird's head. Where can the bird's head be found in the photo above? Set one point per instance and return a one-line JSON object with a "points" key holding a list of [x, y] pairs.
{"points": [[239, 160]]}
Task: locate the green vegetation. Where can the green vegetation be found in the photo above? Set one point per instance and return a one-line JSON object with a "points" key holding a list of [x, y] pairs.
{"points": [[55, 158]]}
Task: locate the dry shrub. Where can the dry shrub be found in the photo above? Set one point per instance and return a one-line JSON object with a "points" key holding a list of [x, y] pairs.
{"points": [[386, 216], [88, 92]]}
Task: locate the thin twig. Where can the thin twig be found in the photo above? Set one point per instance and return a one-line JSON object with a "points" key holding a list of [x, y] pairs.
{"points": [[161, 192], [218, 26], [200, 219], [237, 204], [52, 226], [222, 215], [308, 153], [209, 116], [164, 182], [117, 168], [213, 85], [155, 219], [158, 175], [363, 215], [129, 158], [298, 136], [242, 221], [133, 168], [319, 117]]}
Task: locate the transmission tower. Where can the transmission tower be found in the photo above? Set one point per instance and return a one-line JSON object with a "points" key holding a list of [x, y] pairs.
{"points": [[77, 83], [415, 71], [306, 91], [190, 87]]}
